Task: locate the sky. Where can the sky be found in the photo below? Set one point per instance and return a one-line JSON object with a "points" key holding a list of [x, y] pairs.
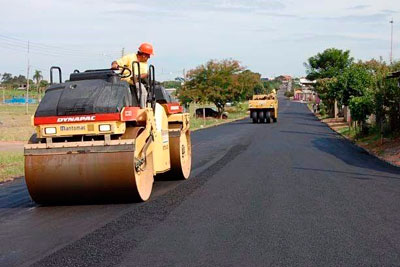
{"points": [[267, 36]]}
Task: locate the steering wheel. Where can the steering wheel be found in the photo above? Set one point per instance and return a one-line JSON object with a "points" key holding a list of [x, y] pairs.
{"points": [[123, 69]]}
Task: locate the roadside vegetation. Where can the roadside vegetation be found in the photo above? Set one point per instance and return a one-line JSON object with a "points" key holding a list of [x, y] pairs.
{"points": [[362, 86], [385, 146], [367, 90], [11, 165], [289, 94], [236, 112], [14, 82], [222, 82], [15, 124], [15, 127]]}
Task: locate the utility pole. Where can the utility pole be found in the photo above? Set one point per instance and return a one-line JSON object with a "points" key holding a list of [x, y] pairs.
{"points": [[123, 51], [4, 95], [3, 92], [391, 41], [27, 84]]}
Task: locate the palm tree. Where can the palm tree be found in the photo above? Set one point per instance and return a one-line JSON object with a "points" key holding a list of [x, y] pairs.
{"points": [[37, 77]]}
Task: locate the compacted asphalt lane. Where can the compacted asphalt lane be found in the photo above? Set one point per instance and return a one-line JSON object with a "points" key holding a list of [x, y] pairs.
{"points": [[282, 194]]}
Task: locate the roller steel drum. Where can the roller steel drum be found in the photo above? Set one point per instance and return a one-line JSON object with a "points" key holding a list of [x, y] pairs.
{"points": [[87, 174], [181, 155]]}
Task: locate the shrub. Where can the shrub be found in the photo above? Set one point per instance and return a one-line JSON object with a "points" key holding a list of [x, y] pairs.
{"points": [[361, 107], [289, 93], [322, 109]]}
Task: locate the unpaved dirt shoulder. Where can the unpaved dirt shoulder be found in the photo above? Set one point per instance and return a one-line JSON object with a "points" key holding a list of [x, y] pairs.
{"points": [[387, 151]]}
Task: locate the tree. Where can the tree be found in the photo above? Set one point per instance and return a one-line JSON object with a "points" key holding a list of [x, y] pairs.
{"points": [[271, 85], [325, 67], [353, 82], [37, 77], [391, 99], [328, 64], [246, 83], [17, 80], [194, 89], [328, 90], [259, 89], [43, 83], [361, 107], [6, 77], [171, 84], [215, 81]]}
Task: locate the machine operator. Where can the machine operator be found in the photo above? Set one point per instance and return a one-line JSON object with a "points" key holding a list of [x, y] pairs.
{"points": [[145, 51]]}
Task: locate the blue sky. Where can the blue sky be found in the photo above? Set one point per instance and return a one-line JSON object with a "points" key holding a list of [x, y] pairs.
{"points": [[268, 36]]}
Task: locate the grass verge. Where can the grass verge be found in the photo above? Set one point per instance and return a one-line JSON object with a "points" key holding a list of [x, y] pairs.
{"points": [[386, 147], [199, 123], [11, 165], [15, 124]]}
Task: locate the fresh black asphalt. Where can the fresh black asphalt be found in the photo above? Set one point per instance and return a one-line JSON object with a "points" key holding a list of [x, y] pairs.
{"points": [[292, 193]]}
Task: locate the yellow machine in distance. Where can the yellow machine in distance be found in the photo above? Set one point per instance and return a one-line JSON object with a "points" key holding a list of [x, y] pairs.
{"points": [[264, 108]]}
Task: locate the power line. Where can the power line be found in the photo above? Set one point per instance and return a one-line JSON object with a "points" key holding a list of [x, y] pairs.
{"points": [[16, 46], [52, 54], [54, 48], [8, 42], [20, 46]]}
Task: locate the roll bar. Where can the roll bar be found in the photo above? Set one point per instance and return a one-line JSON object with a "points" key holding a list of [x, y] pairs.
{"points": [[138, 77], [152, 85], [51, 73]]}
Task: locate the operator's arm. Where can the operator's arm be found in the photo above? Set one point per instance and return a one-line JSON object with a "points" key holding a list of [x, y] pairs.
{"points": [[143, 71], [123, 62], [142, 76]]}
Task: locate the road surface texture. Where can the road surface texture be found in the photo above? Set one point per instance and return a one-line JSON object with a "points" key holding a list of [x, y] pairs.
{"points": [[292, 193]]}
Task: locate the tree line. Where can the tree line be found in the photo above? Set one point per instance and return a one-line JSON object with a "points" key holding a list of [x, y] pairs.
{"points": [[222, 81], [13, 82], [363, 86]]}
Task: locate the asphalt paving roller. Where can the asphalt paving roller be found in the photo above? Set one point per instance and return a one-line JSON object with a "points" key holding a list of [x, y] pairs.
{"points": [[264, 108], [94, 142]]}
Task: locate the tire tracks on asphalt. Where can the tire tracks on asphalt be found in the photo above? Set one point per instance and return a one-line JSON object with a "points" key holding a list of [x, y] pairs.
{"points": [[107, 245]]}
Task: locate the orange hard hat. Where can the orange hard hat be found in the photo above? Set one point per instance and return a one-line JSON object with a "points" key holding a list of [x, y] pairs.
{"points": [[146, 48]]}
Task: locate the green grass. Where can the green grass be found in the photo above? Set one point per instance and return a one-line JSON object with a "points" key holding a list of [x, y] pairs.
{"points": [[11, 165], [371, 137], [236, 112], [323, 117], [15, 124], [347, 131], [369, 141], [10, 93]]}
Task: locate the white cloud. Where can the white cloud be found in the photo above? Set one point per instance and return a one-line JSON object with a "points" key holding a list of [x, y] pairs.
{"points": [[268, 36]]}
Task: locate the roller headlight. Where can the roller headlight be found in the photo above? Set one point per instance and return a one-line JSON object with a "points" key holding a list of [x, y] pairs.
{"points": [[50, 130], [104, 127]]}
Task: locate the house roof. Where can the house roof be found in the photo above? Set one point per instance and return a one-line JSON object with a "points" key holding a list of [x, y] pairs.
{"points": [[285, 77], [305, 81]]}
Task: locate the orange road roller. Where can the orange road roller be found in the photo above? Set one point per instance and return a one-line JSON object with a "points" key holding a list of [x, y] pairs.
{"points": [[94, 142]]}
